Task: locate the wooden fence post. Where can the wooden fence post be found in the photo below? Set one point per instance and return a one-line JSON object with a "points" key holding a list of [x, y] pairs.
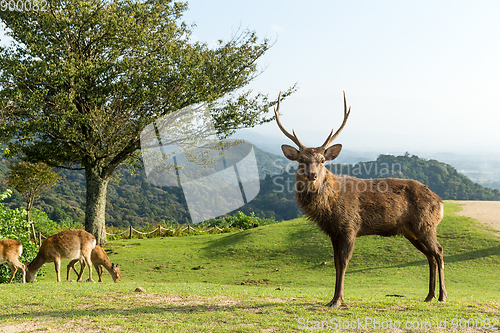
{"points": [[130, 234]]}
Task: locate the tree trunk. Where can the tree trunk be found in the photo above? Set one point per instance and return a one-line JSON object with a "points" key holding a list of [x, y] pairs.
{"points": [[96, 205], [31, 225]]}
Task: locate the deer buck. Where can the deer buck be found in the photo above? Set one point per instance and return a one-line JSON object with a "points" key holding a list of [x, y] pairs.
{"points": [[99, 259], [69, 244], [347, 207], [10, 251]]}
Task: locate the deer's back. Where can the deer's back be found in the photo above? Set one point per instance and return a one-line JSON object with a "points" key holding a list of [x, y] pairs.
{"points": [[98, 256], [10, 248], [68, 244]]}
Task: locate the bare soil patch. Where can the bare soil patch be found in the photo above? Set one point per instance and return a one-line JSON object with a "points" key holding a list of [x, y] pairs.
{"points": [[486, 212]]}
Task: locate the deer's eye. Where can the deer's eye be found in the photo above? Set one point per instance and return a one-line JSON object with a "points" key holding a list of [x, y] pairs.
{"points": [[323, 160]]}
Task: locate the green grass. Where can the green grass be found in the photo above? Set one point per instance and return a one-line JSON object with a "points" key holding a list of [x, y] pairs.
{"points": [[271, 279]]}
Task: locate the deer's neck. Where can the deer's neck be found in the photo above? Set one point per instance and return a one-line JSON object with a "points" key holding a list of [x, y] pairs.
{"points": [[106, 263], [318, 197], [322, 205], [37, 263]]}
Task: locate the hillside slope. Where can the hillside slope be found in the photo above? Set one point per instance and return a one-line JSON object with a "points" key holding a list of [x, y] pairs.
{"points": [[297, 254]]}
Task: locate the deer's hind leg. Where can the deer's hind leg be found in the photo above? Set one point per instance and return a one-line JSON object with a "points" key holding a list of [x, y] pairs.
{"points": [[13, 270], [436, 250], [86, 257], [432, 265], [70, 266], [14, 265]]}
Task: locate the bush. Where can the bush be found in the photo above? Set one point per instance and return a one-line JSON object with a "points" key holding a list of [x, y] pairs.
{"points": [[42, 223], [240, 221], [48, 227], [13, 225]]}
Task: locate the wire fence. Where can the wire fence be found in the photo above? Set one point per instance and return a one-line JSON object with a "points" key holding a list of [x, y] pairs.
{"points": [[161, 231]]}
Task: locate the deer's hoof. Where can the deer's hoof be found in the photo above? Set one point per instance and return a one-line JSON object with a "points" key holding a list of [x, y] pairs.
{"points": [[89, 280]]}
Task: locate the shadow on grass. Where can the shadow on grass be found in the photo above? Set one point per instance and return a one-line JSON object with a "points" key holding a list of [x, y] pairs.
{"points": [[308, 246], [221, 244], [462, 257], [154, 309], [303, 244]]}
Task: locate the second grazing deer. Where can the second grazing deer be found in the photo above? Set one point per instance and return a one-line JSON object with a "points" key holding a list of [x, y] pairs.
{"points": [[10, 251], [99, 260], [347, 207], [69, 244]]}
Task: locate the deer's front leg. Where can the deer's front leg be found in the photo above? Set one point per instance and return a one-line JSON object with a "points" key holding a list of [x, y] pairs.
{"points": [[57, 264], [342, 252]]}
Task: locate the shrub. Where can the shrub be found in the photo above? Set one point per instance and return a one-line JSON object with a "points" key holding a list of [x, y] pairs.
{"points": [[48, 227], [240, 221], [13, 225]]}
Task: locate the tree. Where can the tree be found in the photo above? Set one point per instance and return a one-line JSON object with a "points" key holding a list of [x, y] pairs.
{"points": [[31, 179], [83, 78]]}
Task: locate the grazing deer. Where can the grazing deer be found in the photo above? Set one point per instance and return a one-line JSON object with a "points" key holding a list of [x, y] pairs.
{"points": [[69, 244], [346, 207], [10, 251], [99, 259]]}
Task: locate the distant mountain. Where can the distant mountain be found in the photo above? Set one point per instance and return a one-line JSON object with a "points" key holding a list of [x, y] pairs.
{"points": [[273, 144], [132, 200], [482, 168]]}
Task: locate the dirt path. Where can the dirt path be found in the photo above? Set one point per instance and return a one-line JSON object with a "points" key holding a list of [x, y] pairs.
{"points": [[487, 212]]}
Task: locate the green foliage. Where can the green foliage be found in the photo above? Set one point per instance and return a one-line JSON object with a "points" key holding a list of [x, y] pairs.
{"points": [[31, 179], [82, 80], [48, 227], [240, 221], [101, 86], [13, 225]]}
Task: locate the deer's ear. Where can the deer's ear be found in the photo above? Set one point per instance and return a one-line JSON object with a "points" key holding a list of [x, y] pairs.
{"points": [[290, 152], [332, 152]]}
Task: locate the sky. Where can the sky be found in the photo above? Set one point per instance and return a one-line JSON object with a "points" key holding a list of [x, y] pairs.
{"points": [[419, 75]]}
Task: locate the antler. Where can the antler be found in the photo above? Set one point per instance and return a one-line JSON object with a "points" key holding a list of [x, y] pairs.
{"points": [[293, 137], [330, 138]]}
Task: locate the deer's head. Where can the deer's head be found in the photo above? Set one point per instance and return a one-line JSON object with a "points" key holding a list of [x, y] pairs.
{"points": [[30, 273], [311, 170], [115, 272]]}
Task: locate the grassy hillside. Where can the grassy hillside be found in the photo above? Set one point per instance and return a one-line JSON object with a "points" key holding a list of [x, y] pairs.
{"points": [[293, 253], [268, 279]]}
